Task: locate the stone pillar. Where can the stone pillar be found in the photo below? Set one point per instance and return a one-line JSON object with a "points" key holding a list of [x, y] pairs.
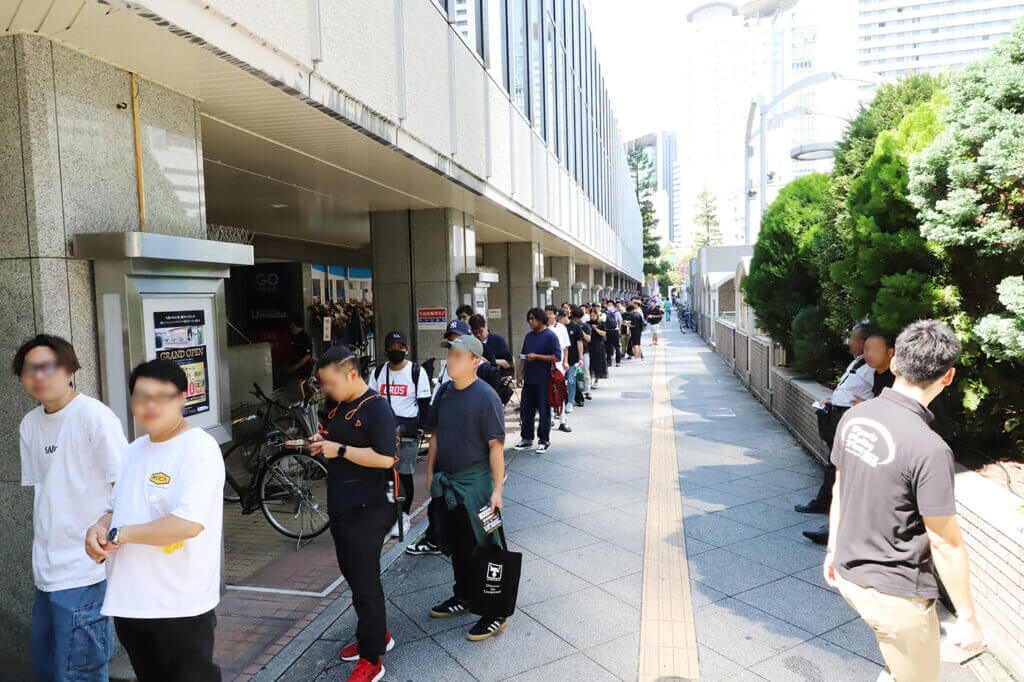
{"points": [[67, 166], [519, 266], [583, 284], [562, 270], [417, 258]]}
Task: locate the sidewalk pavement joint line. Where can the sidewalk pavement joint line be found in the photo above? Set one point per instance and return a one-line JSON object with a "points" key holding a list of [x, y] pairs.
{"points": [[279, 664], [668, 640]]}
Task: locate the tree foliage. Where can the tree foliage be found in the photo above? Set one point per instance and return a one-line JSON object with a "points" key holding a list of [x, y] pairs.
{"points": [[707, 219], [642, 170], [968, 187], [781, 281]]}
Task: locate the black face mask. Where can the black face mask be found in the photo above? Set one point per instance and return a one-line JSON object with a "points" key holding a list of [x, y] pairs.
{"points": [[395, 356]]}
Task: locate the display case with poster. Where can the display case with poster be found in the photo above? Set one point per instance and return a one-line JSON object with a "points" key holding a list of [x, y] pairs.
{"points": [[176, 329]]}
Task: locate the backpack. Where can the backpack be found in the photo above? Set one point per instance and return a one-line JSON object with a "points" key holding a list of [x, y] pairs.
{"points": [[491, 375], [415, 374], [557, 391]]}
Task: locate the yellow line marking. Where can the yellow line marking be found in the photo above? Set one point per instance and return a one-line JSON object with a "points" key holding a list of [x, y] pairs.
{"points": [[668, 640]]}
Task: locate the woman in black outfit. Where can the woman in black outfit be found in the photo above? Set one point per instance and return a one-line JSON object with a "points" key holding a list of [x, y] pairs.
{"points": [[598, 357]]}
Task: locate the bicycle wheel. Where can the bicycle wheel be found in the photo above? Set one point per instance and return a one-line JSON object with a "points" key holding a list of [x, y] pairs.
{"points": [[293, 495], [241, 461]]}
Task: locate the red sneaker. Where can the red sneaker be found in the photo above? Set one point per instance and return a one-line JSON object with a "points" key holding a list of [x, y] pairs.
{"points": [[351, 652], [366, 671]]}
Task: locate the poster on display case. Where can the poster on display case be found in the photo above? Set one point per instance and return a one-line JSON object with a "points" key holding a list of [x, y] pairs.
{"points": [[179, 329]]}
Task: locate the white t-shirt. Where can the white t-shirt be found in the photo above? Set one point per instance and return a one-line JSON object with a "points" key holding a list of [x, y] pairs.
{"points": [[398, 389], [563, 335], [854, 383], [183, 476], [70, 457]]}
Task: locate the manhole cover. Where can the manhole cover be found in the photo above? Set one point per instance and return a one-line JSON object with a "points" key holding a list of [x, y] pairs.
{"points": [[636, 395]]}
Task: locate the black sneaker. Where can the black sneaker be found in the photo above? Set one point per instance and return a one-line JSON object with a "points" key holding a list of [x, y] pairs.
{"points": [[423, 547], [452, 607], [523, 445], [485, 627], [565, 427], [542, 448]]}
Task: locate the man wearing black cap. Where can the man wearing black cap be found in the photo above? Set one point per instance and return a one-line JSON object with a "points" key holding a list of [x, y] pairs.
{"points": [[360, 447], [466, 466], [407, 389]]}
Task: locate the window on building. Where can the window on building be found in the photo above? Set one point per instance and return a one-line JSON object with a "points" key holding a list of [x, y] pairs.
{"points": [[550, 89], [517, 62], [536, 54]]}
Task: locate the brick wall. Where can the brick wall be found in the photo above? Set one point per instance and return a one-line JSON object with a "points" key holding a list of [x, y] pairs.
{"points": [[723, 340], [740, 341], [993, 528], [759, 370], [791, 404]]}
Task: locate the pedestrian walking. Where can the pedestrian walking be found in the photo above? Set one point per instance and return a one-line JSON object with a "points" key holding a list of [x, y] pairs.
{"points": [[541, 350], [161, 535], [894, 524], [406, 387], [71, 449], [361, 448], [466, 469]]}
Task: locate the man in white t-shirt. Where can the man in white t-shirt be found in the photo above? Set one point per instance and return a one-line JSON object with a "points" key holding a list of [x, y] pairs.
{"points": [[407, 389], [161, 535], [71, 450]]}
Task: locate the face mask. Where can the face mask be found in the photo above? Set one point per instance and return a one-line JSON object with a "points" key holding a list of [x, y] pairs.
{"points": [[395, 356]]}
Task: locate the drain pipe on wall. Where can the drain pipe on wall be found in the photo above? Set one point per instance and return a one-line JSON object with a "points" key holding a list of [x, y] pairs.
{"points": [[136, 134]]}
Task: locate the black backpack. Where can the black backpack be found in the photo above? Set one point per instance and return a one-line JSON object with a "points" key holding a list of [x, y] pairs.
{"points": [[415, 374]]}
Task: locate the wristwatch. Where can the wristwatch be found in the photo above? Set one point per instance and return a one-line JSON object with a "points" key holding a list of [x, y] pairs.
{"points": [[341, 451], [112, 536]]}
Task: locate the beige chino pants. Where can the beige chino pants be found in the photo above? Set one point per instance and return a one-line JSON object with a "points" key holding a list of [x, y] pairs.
{"points": [[907, 630]]}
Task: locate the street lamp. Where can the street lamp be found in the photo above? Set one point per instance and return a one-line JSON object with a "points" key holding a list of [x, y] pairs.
{"points": [[813, 151]]}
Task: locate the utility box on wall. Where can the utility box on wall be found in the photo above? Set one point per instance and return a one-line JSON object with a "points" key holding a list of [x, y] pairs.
{"points": [[163, 296]]}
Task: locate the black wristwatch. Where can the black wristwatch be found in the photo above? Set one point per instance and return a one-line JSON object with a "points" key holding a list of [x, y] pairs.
{"points": [[341, 451], [112, 536]]}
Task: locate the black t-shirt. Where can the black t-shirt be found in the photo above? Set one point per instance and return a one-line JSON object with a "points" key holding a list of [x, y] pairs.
{"points": [[575, 336], [366, 422], [893, 471], [883, 380], [464, 423], [654, 315], [300, 346], [636, 321]]}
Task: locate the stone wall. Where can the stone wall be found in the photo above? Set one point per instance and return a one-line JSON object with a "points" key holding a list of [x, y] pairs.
{"points": [[723, 341], [67, 166], [791, 399], [992, 522], [759, 369], [740, 344]]}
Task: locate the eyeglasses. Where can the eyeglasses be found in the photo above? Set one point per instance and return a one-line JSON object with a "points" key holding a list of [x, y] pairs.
{"points": [[47, 369], [156, 398]]}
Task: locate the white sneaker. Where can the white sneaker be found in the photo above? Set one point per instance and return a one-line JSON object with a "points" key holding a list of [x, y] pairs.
{"points": [[568, 407], [406, 523], [393, 533]]}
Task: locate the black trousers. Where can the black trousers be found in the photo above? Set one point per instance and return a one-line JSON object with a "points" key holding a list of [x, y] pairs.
{"points": [[824, 495], [170, 649], [534, 399], [358, 539], [460, 542], [613, 347]]}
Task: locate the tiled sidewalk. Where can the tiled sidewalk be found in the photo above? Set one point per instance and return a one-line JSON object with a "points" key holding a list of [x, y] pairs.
{"points": [[763, 610]]}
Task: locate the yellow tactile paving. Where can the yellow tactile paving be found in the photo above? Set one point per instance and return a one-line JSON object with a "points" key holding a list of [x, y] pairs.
{"points": [[668, 642]]}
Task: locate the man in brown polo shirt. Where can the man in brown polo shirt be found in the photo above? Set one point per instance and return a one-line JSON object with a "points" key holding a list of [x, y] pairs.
{"points": [[893, 525]]}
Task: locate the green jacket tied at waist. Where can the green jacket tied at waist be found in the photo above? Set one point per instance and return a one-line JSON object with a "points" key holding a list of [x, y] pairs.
{"points": [[472, 488]]}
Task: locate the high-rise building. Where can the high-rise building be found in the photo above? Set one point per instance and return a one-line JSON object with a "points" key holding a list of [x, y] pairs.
{"points": [[895, 37], [733, 60], [662, 149]]}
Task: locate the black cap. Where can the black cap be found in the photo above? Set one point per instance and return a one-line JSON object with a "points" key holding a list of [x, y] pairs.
{"points": [[395, 336]]}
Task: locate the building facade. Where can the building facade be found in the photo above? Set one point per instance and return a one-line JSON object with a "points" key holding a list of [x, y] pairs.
{"points": [[406, 157]]}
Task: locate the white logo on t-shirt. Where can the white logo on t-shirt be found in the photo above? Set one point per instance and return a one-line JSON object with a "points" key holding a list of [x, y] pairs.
{"points": [[868, 441]]}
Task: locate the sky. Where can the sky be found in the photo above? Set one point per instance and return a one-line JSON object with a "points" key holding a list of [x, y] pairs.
{"points": [[638, 45]]}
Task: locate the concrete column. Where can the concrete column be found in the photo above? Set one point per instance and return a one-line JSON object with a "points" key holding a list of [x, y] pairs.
{"points": [[67, 166], [562, 269], [417, 259], [525, 269]]}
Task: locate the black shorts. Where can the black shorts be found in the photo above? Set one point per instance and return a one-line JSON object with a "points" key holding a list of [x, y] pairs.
{"points": [[634, 337]]}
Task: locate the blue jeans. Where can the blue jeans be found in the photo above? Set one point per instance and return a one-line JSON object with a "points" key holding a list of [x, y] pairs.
{"points": [[71, 640], [533, 399], [570, 385]]}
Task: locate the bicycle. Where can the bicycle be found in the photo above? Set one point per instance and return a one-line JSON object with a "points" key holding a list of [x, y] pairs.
{"points": [[288, 484]]}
